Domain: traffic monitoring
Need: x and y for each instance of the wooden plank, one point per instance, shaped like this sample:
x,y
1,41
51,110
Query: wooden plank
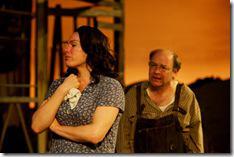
x,y
17,85
109,4
119,43
101,12
5,126
24,127
41,46
103,3
6,38
17,99
116,27
67,11
85,12
16,12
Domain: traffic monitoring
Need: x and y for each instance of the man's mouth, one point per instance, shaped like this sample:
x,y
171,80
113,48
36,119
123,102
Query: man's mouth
x,y
156,78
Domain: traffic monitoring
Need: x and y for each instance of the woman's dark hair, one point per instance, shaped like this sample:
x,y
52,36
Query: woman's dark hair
x,y
95,44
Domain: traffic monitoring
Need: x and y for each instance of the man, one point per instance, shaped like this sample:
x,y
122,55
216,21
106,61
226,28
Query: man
x,y
161,115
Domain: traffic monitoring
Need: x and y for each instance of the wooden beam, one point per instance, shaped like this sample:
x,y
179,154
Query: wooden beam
x,y
85,12
6,38
116,27
16,12
103,3
101,12
17,99
17,85
41,45
67,11
119,43
109,4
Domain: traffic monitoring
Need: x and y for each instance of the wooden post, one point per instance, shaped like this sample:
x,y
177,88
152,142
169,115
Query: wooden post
x,y
56,47
41,63
119,42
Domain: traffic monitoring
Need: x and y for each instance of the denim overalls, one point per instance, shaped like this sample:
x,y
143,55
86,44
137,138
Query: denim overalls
x,y
163,135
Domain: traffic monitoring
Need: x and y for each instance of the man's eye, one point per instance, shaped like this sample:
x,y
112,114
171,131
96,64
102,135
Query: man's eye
x,y
73,45
152,64
163,67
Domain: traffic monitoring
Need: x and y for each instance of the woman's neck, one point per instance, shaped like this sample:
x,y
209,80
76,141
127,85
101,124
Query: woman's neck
x,y
84,77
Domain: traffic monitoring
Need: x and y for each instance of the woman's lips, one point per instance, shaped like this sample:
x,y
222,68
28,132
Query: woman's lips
x,y
67,57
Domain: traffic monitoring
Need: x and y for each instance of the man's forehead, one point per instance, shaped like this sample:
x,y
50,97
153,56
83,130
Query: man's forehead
x,y
165,54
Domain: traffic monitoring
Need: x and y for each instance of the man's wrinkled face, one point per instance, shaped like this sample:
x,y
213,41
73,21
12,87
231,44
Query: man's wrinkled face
x,y
161,69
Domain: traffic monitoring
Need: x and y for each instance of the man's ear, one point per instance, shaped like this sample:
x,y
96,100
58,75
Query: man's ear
x,y
175,71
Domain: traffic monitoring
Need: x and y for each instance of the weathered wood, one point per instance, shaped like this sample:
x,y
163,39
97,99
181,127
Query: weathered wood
x,y
41,46
17,85
22,120
101,12
25,131
5,38
103,3
16,12
85,12
56,47
109,4
66,11
116,27
119,43
5,125
17,99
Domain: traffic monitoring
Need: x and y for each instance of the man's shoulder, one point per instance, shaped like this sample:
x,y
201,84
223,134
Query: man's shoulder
x,y
186,97
186,90
132,87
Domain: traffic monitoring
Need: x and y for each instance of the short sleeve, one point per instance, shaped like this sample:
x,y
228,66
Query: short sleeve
x,y
54,85
112,94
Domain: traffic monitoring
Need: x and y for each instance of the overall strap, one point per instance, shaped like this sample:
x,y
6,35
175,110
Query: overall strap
x,y
177,99
140,106
138,99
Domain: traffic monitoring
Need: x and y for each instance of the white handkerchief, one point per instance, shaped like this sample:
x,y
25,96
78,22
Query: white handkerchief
x,y
73,97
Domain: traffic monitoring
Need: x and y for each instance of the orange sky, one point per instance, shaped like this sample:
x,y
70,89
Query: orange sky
x,y
198,30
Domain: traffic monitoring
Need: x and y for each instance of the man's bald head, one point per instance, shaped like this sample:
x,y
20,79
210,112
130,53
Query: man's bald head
x,y
174,56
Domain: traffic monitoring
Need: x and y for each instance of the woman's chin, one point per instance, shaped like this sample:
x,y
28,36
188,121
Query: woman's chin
x,y
69,64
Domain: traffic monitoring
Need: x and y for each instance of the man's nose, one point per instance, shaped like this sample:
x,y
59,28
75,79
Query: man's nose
x,y
157,69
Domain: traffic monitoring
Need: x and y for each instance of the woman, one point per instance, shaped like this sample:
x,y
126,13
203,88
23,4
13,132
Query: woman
x,y
90,124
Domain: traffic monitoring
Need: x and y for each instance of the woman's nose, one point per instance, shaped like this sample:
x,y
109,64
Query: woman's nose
x,y
67,49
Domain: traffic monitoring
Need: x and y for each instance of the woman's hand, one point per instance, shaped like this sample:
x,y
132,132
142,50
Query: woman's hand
x,y
42,121
70,82
95,132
